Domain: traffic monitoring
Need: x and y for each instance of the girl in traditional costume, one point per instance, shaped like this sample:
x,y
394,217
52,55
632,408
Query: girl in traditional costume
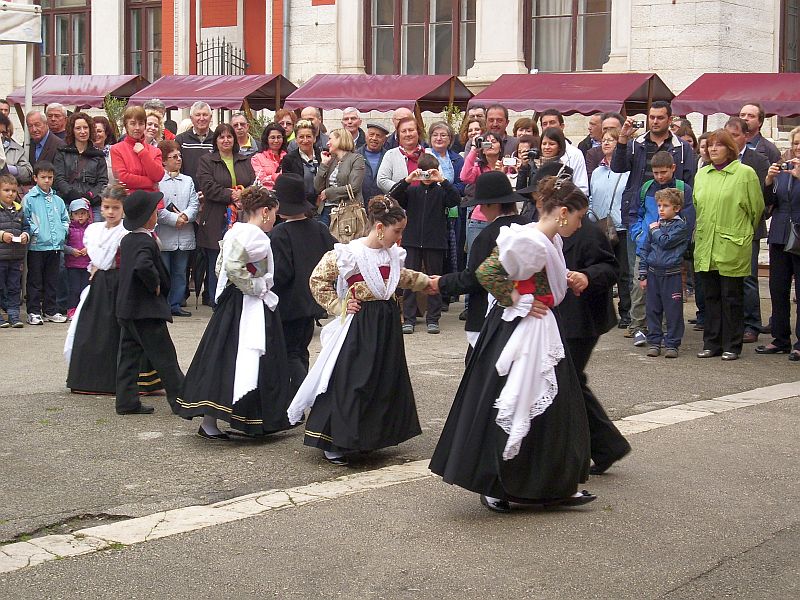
x,y
239,371
517,430
359,390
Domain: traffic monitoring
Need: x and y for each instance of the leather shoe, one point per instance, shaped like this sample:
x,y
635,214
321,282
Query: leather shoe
x,y
770,349
181,313
750,336
698,327
598,468
584,498
212,436
794,356
707,354
623,323
339,461
142,409
501,506
730,356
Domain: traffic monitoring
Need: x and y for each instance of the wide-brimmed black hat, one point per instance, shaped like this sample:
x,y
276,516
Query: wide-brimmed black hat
x,y
551,169
493,187
291,192
138,208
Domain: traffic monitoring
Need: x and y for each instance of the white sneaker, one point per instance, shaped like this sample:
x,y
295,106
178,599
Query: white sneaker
x,y
56,318
34,319
639,339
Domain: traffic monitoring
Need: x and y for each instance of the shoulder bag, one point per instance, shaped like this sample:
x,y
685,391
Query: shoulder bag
x,y
349,219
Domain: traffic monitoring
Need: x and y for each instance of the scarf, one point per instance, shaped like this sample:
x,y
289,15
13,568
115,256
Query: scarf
x,y
412,159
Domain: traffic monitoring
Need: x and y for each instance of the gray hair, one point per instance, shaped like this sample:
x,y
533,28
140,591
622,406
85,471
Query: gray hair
x,y
33,113
351,109
441,125
155,104
56,106
199,105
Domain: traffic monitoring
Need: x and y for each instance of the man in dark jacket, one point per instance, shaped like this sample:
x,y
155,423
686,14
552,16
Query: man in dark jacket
x,y
753,113
595,134
197,141
373,152
43,144
142,307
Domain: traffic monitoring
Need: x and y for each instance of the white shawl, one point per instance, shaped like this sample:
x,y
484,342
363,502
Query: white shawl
x,y
351,258
252,334
535,348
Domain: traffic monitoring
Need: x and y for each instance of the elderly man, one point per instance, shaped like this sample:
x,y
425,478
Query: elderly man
x,y
57,120
754,114
196,141
373,152
43,144
158,106
351,120
595,127
248,145
313,114
16,162
574,157
740,131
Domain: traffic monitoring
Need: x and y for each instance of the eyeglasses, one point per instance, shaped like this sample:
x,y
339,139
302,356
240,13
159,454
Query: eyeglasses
x,y
284,123
175,156
441,134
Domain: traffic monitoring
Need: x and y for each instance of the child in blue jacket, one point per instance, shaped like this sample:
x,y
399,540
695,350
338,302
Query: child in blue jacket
x,y
661,257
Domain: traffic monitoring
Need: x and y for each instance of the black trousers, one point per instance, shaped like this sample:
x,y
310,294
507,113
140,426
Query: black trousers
x,y
43,273
432,263
782,267
624,283
297,335
608,444
724,326
147,338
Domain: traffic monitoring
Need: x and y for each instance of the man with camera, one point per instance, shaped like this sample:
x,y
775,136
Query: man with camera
x,y
497,120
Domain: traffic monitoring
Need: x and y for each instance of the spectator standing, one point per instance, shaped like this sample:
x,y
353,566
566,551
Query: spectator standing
x,y
153,128
14,238
393,141
81,170
305,159
43,145
176,224
222,175
754,114
197,141
5,107
373,152
595,137
157,106
105,136
267,163
609,120
313,114
401,160
286,119
76,256
729,207
57,120
136,164
248,145
351,120
573,157
16,160
341,174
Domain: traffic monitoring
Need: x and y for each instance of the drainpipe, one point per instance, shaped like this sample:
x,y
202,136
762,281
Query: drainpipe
x,y
285,62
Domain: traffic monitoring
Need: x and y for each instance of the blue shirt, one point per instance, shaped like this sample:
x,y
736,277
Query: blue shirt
x,y
40,145
445,164
374,159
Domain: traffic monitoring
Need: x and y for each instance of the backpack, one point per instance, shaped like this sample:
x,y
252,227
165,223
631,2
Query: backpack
x,y
679,184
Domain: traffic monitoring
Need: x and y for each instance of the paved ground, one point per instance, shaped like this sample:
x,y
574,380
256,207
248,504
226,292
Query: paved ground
x,y
701,509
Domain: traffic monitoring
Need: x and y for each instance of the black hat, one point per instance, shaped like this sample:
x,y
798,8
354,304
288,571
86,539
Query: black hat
x,y
493,187
291,192
550,169
138,207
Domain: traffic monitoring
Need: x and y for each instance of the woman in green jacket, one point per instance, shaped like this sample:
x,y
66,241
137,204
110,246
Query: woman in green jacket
x,y
729,204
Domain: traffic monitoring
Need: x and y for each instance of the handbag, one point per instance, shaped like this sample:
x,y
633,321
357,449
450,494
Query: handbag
x,y
793,240
348,219
606,224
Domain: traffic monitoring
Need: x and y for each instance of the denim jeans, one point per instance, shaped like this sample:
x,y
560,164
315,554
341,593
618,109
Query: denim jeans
x,y
176,261
325,216
637,294
473,229
11,287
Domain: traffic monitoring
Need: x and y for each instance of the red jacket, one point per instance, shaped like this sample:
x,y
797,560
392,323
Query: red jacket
x,y
141,171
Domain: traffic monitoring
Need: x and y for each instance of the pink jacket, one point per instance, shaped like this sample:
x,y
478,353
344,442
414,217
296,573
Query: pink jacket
x,y
75,241
267,166
469,173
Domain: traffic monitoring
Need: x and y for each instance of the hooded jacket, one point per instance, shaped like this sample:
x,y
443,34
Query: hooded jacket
x,y
48,219
633,157
13,221
75,241
80,175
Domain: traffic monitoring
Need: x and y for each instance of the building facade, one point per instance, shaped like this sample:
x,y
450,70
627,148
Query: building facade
x,y
476,39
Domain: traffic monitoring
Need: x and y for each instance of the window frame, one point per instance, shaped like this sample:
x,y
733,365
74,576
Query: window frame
x,y
142,7
456,25
49,16
575,16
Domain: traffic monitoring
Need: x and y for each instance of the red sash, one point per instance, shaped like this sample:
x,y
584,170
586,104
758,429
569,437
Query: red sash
x,y
353,279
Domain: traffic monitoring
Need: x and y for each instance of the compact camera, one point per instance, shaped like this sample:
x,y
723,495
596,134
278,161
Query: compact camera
x,y
480,142
509,161
639,124
787,166
426,175
533,154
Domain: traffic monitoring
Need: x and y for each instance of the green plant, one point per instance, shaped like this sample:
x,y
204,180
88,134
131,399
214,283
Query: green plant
x,y
115,107
257,124
452,115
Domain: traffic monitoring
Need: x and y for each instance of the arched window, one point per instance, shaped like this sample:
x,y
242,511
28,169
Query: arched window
x,y
66,43
567,35
426,37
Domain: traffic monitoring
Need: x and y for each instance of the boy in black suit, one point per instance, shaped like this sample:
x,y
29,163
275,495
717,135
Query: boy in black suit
x,y
142,307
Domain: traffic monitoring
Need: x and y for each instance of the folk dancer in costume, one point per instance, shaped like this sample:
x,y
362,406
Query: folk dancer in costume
x,y
239,372
359,390
517,431
93,336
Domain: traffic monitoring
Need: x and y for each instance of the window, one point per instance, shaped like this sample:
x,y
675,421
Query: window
x,y
419,36
567,35
65,48
143,38
790,51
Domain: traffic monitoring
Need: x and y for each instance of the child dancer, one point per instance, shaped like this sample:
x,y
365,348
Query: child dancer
x,y
239,371
76,257
142,307
359,390
518,429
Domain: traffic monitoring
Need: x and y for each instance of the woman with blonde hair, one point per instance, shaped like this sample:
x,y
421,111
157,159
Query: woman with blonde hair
x,y
341,174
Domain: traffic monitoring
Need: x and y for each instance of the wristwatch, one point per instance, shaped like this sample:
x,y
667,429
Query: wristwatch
x,y
642,277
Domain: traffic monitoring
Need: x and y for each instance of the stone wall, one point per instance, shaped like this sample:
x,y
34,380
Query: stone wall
x,y
312,40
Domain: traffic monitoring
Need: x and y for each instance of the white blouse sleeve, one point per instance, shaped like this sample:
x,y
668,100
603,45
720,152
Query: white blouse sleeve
x,y
522,251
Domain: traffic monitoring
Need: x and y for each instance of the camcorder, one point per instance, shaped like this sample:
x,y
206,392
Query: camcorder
x,y
480,142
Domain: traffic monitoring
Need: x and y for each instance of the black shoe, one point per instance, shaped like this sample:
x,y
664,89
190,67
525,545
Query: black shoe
x,y
142,409
770,349
339,461
599,468
794,356
692,321
462,316
707,354
501,506
698,327
584,498
181,313
623,323
212,436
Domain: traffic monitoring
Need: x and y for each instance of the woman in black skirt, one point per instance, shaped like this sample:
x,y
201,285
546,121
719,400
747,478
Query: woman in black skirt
x,y
517,431
239,372
359,390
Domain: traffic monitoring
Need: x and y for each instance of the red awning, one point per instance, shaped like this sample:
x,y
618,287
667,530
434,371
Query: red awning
x,y
220,91
380,92
711,93
584,93
80,90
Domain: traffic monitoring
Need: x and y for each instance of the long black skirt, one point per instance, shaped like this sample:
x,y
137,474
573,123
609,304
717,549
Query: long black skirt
x,y
208,388
369,403
93,366
554,456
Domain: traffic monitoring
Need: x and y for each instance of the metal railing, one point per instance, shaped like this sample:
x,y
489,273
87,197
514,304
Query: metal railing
x,y
217,56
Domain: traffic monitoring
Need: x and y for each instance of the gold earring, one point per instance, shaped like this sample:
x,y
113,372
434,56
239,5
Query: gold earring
x,y
380,235
563,222
265,219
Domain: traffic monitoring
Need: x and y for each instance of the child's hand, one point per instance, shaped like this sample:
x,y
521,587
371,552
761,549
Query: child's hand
x,y
353,306
76,252
25,238
7,237
653,225
83,252
643,284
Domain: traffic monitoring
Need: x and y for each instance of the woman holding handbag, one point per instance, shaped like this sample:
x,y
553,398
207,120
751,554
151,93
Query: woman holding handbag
x,y
340,176
605,201
783,196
